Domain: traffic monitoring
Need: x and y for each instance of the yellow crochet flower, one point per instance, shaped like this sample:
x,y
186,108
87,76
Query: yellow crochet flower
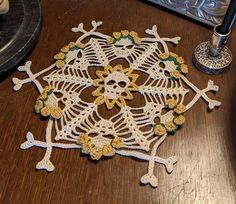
x,y
137,40
43,96
180,60
86,147
59,56
180,109
171,103
65,49
170,126
179,120
56,112
108,151
175,74
173,55
125,33
38,106
117,142
60,64
164,55
133,34
71,45
116,35
110,40
45,111
83,138
184,68
47,89
159,130
95,153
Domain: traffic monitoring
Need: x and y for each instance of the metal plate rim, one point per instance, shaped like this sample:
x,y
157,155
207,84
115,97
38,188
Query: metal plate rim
x,y
28,38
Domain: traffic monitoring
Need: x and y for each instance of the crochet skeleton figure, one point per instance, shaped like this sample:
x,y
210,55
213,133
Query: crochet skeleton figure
x,y
133,131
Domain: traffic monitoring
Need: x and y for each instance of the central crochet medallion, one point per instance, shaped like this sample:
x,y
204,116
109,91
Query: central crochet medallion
x,y
114,86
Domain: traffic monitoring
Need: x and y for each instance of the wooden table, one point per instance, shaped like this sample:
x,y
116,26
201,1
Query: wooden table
x,y
206,146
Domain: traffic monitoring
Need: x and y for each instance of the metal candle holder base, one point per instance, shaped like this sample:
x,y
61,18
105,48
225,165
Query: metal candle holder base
x,y
213,57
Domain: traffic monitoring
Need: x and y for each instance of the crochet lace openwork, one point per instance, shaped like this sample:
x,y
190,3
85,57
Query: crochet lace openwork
x,y
132,131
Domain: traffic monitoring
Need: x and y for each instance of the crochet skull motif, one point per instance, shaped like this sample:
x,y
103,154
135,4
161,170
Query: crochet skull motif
x,y
132,131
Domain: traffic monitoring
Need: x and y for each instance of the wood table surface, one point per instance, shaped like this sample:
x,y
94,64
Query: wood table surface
x,y
205,146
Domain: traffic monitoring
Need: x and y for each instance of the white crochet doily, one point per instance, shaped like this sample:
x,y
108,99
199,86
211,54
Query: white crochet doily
x,y
133,131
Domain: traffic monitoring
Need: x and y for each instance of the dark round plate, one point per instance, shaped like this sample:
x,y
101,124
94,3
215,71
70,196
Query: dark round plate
x,y
19,29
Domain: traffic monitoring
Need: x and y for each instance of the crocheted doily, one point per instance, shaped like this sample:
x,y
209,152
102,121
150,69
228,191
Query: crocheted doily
x,y
133,131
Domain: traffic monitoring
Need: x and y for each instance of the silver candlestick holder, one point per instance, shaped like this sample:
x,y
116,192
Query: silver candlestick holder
x,y
213,57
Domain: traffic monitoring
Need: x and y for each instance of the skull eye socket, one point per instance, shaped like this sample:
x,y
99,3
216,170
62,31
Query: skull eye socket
x,y
120,46
122,84
111,82
162,65
129,46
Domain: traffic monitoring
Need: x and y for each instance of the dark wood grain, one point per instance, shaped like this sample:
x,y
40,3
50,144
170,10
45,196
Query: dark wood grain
x,y
206,146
